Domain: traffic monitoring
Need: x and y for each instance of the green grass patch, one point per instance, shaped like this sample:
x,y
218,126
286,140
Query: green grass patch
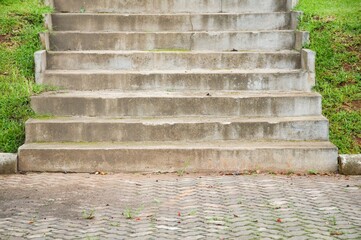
x,y
20,23
335,28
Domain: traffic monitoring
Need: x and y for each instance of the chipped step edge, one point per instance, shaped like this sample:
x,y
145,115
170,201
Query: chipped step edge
x,y
350,164
8,163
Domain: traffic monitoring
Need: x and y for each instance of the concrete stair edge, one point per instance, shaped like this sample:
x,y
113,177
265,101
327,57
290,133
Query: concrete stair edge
x,y
197,128
158,157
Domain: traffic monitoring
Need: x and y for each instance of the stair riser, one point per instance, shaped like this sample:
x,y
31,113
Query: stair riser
x,y
189,41
174,106
143,61
175,23
153,131
171,160
188,82
171,6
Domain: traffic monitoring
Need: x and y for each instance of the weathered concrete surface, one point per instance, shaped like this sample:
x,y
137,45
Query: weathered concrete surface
x,y
45,41
171,22
192,80
302,38
171,6
198,41
210,156
8,163
189,207
48,22
198,128
235,94
211,103
350,164
308,63
171,60
40,65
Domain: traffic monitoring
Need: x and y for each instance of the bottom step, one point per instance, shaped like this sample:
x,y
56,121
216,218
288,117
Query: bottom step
x,y
223,156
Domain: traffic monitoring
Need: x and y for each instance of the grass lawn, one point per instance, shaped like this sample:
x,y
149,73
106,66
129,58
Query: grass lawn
x,y
335,27
20,23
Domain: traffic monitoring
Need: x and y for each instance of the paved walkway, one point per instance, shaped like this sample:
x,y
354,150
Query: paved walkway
x,y
84,206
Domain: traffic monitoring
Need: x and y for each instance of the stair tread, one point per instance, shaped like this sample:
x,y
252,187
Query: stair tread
x,y
278,128
163,14
165,51
192,71
183,94
174,120
170,32
229,144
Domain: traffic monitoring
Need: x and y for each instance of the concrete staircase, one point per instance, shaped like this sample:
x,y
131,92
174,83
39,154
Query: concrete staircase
x,y
167,85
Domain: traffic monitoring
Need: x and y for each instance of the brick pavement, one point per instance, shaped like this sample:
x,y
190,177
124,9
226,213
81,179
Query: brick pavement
x,y
84,206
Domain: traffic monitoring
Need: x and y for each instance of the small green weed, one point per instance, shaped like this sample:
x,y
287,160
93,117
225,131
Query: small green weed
x,y
182,171
312,172
192,213
91,238
43,116
114,224
336,233
88,214
130,213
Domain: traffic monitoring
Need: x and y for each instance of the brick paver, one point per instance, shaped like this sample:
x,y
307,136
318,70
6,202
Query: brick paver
x,y
56,206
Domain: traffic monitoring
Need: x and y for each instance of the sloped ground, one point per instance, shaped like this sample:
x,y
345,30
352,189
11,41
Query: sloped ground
x,y
335,28
20,23
88,206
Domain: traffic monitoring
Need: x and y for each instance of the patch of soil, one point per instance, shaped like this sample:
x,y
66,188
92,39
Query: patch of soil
x,y
352,106
358,141
356,104
4,38
348,67
346,83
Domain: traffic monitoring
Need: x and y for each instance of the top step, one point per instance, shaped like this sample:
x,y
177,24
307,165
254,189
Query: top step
x,y
171,6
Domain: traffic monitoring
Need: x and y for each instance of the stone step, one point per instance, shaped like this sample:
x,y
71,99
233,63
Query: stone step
x,y
197,128
198,41
171,60
221,156
272,79
171,6
170,22
152,103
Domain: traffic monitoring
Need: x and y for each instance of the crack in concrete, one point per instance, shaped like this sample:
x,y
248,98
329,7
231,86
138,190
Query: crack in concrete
x,y
191,21
191,41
